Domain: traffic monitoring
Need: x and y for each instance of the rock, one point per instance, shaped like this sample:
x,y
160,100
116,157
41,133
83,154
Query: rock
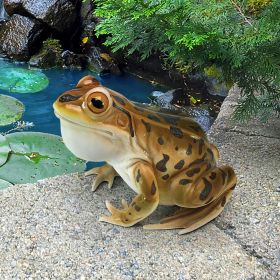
x,y
215,87
100,62
19,37
164,99
213,78
86,13
47,59
167,102
3,14
73,60
49,55
59,15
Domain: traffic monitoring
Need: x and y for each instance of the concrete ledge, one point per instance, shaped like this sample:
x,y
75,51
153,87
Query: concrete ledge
x,y
50,230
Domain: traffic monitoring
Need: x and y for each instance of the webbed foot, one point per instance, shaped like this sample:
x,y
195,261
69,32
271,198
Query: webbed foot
x,y
105,173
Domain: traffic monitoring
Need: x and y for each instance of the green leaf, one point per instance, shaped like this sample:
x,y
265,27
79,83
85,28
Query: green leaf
x,y
4,149
11,109
36,156
22,80
4,184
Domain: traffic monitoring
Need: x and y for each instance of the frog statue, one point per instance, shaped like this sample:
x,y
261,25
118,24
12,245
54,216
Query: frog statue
x,y
165,158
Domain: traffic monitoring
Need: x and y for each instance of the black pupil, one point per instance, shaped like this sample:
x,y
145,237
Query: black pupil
x,y
97,103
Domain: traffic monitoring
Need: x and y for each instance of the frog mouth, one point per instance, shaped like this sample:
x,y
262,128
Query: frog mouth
x,y
82,125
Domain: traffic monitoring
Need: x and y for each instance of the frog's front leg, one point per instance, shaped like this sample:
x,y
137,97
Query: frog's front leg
x,y
105,173
142,205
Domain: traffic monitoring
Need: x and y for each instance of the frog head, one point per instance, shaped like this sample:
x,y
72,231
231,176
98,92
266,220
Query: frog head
x,y
94,120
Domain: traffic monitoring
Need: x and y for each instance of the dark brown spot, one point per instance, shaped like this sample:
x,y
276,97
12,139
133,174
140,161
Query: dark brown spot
x,y
170,119
126,220
224,200
213,176
138,176
233,187
176,148
208,167
207,189
153,188
189,149
137,208
153,118
194,141
165,177
179,165
184,181
200,146
161,165
196,162
119,99
147,125
68,98
191,172
195,128
177,132
129,213
160,140
224,175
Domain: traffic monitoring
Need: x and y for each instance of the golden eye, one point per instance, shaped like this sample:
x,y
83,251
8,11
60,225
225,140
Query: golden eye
x,y
97,102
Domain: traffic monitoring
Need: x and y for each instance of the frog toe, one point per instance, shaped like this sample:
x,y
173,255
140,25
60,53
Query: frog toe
x,y
124,203
118,216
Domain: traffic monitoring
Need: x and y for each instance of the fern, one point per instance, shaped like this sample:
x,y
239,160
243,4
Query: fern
x,y
240,37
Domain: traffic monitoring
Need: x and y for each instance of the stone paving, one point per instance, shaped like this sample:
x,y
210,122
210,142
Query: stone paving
x,y
50,230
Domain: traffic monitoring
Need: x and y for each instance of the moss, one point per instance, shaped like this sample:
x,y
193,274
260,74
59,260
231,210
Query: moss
x,y
256,6
52,45
213,71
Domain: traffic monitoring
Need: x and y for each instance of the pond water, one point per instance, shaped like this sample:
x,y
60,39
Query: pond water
x,y
38,106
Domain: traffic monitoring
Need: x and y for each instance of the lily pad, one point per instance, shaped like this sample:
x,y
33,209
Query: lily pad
x,y
4,184
11,109
4,149
22,80
35,156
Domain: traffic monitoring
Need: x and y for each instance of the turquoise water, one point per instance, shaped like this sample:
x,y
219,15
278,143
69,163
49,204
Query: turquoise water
x,y
38,106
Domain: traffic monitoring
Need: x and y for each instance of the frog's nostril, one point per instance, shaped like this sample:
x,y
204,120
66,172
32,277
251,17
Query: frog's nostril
x,y
68,98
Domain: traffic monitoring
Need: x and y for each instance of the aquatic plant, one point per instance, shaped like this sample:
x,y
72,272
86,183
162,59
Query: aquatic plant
x,y
4,150
26,157
11,109
22,80
20,126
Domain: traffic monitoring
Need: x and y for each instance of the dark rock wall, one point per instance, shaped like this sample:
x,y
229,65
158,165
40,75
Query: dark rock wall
x,y
19,35
32,21
59,15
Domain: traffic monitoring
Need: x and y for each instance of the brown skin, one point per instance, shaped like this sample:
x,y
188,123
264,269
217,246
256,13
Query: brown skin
x,y
166,159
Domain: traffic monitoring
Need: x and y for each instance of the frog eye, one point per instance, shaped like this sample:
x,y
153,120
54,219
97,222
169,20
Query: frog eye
x,y
97,102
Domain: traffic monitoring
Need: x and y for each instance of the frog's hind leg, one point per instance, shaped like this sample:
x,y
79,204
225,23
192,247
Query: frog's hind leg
x,y
195,215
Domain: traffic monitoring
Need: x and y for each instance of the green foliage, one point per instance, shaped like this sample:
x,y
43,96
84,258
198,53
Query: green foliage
x,y
239,37
52,44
